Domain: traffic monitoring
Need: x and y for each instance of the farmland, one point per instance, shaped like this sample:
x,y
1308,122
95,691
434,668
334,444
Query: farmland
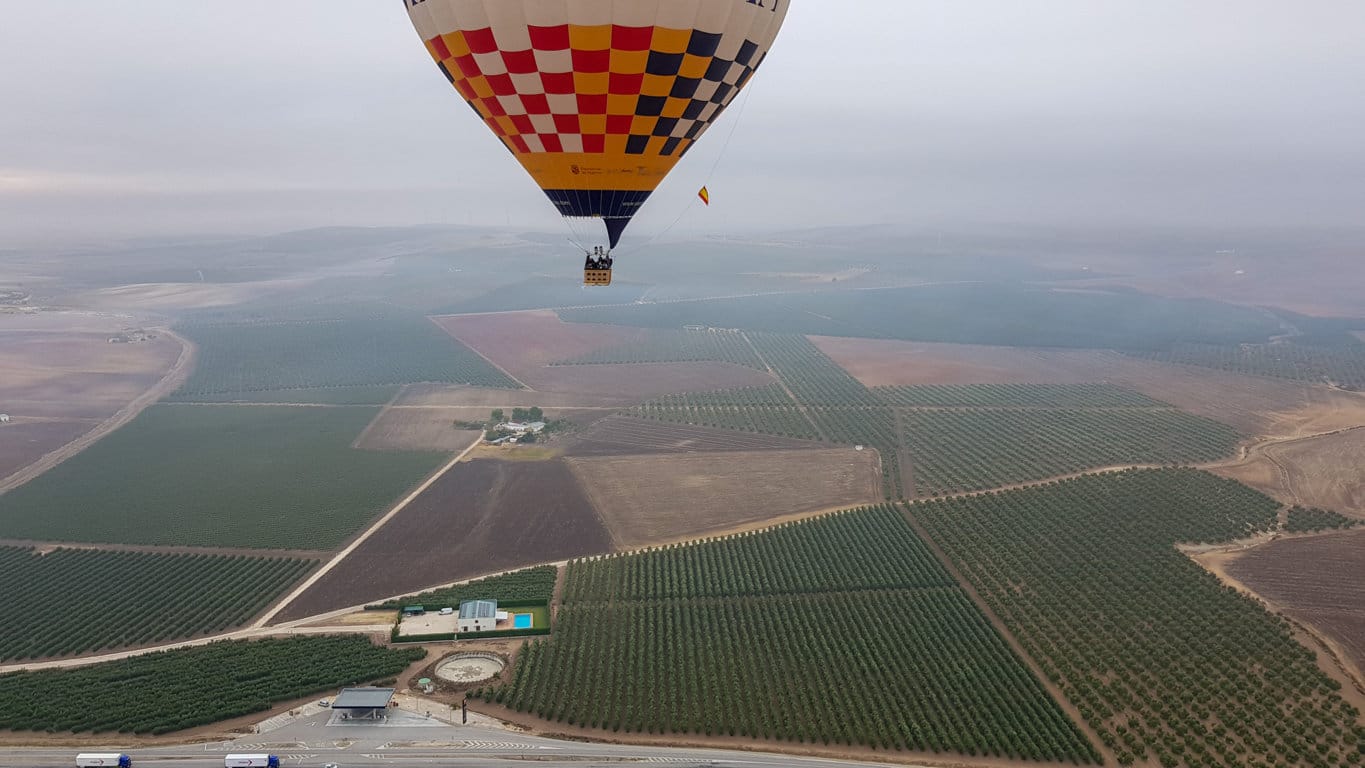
x,y
530,584
970,450
1311,519
70,601
624,435
785,635
415,429
1015,396
528,344
1341,364
680,346
1324,472
226,476
482,516
61,378
181,689
1319,580
975,313
758,409
652,499
1253,405
1161,660
252,359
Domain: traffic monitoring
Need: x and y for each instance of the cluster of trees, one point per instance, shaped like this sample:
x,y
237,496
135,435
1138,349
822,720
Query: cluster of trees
x,y
348,350
1341,364
866,549
1015,396
531,584
843,630
812,377
676,346
73,601
1304,519
967,450
765,410
1164,662
190,687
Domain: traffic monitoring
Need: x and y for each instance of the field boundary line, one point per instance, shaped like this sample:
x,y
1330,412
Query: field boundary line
x,y
1068,707
168,383
471,348
355,544
800,406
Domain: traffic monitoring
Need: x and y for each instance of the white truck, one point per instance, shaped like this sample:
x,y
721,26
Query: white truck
x,y
251,761
103,760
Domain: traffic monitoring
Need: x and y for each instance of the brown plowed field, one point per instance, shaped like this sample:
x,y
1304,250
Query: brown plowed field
x,y
1254,405
1319,580
414,429
58,384
624,435
1325,472
480,517
21,442
525,343
647,500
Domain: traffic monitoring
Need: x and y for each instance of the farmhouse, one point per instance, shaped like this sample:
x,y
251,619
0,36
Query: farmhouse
x,y
478,616
521,428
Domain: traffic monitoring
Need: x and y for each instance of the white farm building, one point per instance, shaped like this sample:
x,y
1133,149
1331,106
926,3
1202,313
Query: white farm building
x,y
478,616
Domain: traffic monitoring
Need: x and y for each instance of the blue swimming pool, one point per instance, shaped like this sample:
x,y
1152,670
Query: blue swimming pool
x,y
521,621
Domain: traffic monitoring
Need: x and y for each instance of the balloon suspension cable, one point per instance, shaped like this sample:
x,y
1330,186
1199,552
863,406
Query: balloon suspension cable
x,y
734,127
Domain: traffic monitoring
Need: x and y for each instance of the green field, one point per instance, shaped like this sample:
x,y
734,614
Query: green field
x,y
1003,314
767,410
73,601
530,584
316,356
1163,661
682,346
844,630
175,690
968,450
228,476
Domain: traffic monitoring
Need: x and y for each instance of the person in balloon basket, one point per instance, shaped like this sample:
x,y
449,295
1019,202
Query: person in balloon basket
x,y
598,258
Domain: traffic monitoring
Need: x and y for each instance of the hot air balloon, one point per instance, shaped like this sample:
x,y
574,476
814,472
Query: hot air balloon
x,y
598,99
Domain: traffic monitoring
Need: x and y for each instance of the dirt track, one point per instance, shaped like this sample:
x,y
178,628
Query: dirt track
x,y
168,383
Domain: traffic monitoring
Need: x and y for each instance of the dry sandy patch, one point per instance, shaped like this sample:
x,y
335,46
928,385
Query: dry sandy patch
x,y
1325,472
647,500
415,429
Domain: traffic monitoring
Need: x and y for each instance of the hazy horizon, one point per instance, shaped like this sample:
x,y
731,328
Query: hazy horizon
x,y
253,118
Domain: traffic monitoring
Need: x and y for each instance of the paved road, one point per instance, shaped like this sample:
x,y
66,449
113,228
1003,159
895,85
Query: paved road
x,y
411,741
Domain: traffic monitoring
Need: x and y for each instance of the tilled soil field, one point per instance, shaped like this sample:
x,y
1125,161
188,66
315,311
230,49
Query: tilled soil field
x,y
21,443
1319,580
481,517
526,343
58,384
623,436
660,498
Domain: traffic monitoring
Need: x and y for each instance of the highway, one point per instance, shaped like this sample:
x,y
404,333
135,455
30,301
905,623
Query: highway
x,y
410,740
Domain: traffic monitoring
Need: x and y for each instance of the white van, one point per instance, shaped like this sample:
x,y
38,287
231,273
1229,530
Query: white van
x,y
447,611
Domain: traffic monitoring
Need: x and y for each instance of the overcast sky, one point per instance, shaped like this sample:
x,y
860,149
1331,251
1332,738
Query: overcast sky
x,y
168,117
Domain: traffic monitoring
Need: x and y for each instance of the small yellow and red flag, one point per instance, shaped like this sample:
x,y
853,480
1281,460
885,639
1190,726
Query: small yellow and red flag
x,y
705,195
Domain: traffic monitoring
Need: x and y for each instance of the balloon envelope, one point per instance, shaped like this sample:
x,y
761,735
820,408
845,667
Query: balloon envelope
x,y
598,99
